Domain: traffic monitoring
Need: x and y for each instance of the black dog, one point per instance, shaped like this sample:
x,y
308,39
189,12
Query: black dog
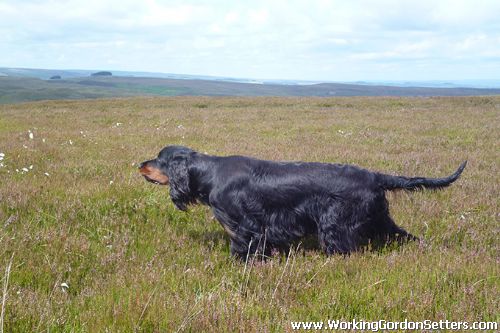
x,y
265,205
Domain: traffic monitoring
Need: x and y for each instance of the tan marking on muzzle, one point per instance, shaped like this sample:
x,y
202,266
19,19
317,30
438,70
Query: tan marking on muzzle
x,y
154,174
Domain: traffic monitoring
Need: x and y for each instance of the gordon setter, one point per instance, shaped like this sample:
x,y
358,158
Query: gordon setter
x,y
266,205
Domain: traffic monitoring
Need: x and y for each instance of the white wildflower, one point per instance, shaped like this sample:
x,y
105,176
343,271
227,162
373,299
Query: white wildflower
x,y
110,182
43,140
30,134
344,134
31,167
180,127
46,174
70,142
17,170
25,147
64,286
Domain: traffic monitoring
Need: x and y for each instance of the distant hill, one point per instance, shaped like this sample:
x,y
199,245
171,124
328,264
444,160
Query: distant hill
x,y
42,73
102,73
75,73
72,73
20,89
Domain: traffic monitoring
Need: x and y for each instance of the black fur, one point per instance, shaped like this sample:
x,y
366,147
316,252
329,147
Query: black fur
x,y
266,205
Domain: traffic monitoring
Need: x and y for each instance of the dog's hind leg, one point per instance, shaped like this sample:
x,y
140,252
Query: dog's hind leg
x,y
382,227
400,235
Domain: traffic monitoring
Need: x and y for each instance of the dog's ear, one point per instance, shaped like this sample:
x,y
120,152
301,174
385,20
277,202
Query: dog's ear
x,y
178,174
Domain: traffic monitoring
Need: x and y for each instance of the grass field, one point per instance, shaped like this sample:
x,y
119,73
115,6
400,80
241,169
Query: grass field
x,y
93,247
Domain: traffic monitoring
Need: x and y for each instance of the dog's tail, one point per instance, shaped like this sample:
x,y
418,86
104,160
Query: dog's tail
x,y
388,182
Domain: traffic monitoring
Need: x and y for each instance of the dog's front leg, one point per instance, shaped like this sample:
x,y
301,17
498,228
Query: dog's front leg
x,y
247,238
246,245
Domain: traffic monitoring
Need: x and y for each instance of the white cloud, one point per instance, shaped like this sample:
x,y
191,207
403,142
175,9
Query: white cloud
x,y
322,40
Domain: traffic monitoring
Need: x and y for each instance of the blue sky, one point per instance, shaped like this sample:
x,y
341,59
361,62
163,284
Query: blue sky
x,y
303,40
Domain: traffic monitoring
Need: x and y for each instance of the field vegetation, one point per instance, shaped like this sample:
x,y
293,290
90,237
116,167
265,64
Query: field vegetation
x,y
87,245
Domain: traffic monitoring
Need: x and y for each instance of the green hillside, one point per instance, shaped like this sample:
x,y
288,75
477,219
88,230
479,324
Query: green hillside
x,y
22,89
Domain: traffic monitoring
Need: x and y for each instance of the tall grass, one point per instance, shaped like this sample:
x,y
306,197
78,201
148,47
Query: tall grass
x,y
99,249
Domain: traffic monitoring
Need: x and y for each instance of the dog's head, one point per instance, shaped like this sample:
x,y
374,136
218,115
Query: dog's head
x,y
171,167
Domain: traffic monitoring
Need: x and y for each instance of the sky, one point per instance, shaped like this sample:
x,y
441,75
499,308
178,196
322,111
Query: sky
x,y
317,40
